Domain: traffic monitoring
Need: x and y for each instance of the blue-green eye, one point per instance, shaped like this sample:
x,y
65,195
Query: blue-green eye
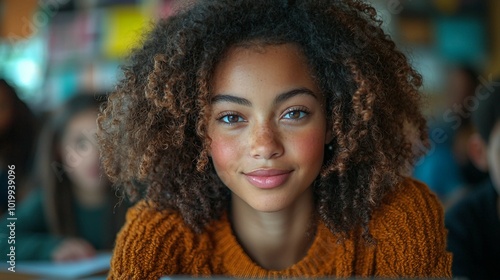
x,y
295,115
230,119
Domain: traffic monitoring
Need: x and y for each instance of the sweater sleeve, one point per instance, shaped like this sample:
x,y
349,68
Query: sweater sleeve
x,y
410,234
153,244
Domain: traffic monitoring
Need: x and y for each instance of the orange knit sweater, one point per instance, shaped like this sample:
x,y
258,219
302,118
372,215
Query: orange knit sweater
x,y
408,228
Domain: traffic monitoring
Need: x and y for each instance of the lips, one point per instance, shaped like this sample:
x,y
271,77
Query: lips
x,y
268,178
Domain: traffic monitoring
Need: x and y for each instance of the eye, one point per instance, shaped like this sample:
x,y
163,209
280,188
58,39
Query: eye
x,y
295,114
83,145
231,118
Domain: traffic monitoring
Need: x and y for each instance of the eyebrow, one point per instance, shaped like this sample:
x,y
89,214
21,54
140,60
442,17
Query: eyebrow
x,y
279,99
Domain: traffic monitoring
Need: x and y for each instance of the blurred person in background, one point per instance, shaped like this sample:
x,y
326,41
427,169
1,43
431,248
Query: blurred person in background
x,y
462,87
17,137
74,211
449,154
474,223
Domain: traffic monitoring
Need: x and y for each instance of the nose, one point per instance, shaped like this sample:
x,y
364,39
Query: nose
x,y
265,142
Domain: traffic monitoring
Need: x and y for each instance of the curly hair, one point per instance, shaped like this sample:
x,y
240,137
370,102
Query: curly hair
x,y
153,129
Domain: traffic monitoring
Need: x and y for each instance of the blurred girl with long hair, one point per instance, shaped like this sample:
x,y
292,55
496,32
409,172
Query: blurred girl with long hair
x,y
73,212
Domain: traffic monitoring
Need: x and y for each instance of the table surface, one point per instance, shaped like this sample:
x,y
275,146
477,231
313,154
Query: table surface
x,y
15,276
7,275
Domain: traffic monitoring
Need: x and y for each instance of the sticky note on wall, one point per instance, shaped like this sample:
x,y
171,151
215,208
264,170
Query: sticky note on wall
x,y
123,27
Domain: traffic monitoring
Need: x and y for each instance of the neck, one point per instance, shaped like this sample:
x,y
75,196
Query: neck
x,y
275,240
90,198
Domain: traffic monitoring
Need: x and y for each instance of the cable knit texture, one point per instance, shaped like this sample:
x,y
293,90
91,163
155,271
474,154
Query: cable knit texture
x,y
408,228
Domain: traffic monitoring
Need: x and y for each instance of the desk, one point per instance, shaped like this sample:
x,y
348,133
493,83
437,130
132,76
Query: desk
x,y
16,276
7,275
83,269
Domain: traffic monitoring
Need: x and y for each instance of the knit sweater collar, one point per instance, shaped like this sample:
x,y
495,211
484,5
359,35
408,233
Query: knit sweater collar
x,y
319,261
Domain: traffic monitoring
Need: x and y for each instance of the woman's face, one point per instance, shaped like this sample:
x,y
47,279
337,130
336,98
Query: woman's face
x,y
79,152
267,125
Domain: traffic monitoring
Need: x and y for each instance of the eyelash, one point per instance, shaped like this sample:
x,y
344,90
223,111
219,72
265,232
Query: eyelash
x,y
227,114
301,110
297,109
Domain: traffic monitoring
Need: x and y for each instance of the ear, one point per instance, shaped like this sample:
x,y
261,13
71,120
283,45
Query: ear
x,y
477,151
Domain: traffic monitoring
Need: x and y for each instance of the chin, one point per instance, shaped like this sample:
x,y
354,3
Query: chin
x,y
94,185
268,205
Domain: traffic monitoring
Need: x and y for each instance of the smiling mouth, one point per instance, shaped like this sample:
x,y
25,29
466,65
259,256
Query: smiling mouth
x,y
268,178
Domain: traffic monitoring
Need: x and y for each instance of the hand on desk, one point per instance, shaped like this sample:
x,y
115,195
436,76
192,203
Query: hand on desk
x,y
72,249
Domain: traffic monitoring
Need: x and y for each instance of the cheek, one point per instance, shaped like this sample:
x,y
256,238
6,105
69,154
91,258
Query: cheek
x,y
224,152
78,175
81,165
309,146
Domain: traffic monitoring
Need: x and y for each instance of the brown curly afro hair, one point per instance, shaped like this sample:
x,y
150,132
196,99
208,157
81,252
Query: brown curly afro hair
x,y
153,129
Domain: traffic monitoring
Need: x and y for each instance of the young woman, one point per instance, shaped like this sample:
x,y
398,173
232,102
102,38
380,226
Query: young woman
x,y
73,211
271,139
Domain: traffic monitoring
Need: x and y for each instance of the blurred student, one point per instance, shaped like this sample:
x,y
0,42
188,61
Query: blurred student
x,y
463,83
74,211
474,223
17,135
449,156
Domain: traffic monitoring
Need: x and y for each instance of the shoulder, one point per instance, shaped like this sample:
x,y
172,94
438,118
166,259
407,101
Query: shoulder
x,y
33,206
407,210
145,217
409,230
472,225
473,209
154,243
34,197
411,198
478,200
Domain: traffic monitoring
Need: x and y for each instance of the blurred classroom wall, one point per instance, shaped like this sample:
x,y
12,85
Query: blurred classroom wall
x,y
51,49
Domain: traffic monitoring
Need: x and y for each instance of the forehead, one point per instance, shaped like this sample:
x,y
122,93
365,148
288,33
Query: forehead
x,y
270,66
